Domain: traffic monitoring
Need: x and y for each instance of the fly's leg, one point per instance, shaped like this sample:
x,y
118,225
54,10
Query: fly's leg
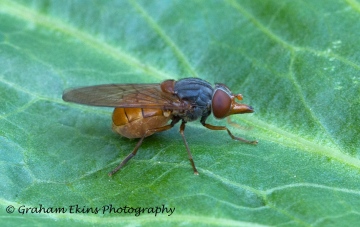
x,y
213,127
182,128
133,153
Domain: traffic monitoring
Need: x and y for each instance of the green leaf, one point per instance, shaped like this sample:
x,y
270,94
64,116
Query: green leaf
x,y
296,62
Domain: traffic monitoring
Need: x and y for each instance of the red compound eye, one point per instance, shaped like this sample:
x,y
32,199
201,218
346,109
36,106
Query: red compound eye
x,y
221,103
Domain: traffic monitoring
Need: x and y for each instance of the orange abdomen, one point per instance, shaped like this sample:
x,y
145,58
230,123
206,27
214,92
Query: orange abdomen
x,y
134,122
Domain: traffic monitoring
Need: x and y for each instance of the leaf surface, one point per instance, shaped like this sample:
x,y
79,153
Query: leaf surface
x,y
296,62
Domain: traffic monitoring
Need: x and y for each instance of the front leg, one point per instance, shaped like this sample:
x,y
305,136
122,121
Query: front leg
x,y
214,127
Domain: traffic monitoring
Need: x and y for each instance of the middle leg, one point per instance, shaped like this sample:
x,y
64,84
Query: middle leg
x,y
182,128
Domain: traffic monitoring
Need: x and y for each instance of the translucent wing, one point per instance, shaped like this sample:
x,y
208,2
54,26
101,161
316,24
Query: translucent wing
x,y
125,95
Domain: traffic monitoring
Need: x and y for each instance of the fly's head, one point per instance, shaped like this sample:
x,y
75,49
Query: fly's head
x,y
223,102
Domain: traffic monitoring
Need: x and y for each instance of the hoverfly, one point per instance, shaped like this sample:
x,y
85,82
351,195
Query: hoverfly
x,y
144,109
